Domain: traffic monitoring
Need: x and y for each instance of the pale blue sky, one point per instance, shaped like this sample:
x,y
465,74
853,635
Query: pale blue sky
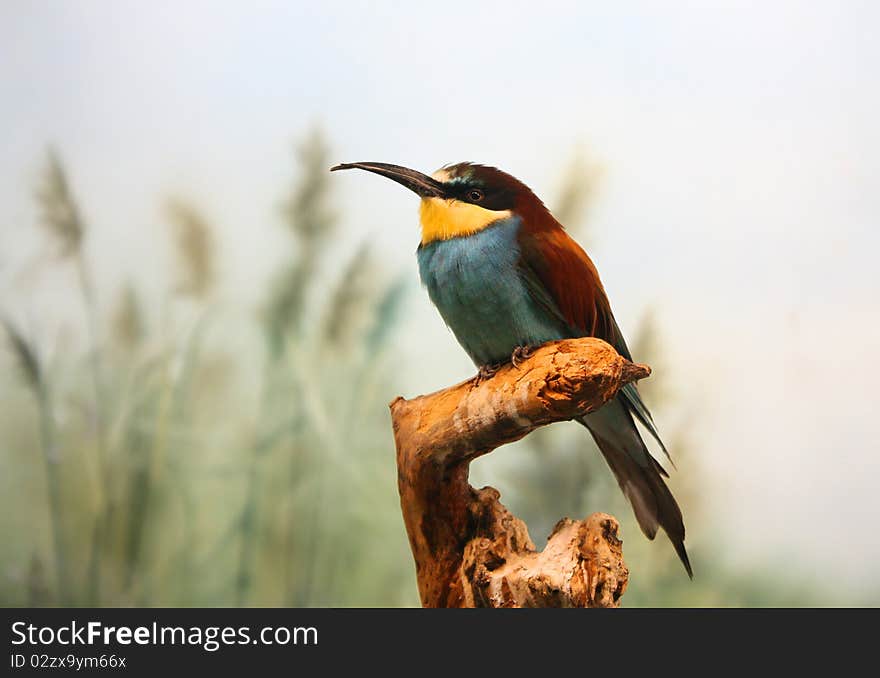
x,y
739,140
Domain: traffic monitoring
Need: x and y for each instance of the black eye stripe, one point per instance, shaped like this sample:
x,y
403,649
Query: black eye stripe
x,y
490,197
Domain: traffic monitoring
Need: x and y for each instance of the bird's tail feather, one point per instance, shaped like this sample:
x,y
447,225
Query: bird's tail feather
x,y
639,475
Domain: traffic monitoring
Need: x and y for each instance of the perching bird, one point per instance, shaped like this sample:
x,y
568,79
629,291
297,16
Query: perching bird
x,y
506,277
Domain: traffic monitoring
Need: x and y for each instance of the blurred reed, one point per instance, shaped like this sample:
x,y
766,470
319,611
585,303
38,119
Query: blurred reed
x,y
194,247
61,217
127,323
578,193
59,211
35,380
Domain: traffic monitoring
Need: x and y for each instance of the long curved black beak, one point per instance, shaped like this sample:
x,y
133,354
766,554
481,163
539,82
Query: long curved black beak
x,y
417,182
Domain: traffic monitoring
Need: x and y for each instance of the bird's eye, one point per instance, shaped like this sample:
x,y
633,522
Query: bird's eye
x,y
475,195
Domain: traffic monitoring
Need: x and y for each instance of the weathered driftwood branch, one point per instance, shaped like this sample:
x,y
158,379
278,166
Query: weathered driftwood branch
x,y
469,550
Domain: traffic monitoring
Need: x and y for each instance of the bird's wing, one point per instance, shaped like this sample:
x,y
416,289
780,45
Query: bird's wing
x,y
563,279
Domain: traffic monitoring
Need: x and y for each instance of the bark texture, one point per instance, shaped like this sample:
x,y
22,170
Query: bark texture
x,y
469,550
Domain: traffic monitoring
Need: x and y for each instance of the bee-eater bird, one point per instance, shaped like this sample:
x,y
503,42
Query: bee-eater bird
x,y
506,277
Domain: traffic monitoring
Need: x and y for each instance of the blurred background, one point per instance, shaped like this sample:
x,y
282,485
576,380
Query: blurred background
x,y
202,328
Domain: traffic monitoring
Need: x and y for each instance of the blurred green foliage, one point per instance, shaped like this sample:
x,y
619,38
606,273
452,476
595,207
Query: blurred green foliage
x,y
166,478
158,466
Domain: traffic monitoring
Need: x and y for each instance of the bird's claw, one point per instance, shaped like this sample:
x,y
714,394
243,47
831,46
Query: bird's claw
x,y
486,372
521,354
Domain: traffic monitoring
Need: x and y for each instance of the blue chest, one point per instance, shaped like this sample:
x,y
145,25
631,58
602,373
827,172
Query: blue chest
x,y
475,283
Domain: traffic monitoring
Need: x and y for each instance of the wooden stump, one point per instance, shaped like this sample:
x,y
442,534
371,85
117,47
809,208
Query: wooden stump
x,y
469,550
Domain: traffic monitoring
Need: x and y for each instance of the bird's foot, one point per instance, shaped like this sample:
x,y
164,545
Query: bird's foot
x,y
520,354
486,372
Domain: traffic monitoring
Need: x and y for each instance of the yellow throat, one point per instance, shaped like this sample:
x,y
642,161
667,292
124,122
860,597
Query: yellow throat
x,y
443,219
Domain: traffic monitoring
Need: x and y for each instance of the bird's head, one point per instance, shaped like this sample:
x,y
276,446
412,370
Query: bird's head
x,y
462,199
